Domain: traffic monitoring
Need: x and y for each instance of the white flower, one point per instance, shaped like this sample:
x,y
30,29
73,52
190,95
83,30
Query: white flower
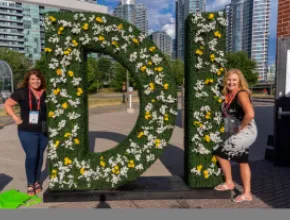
x,y
150,157
149,107
73,116
156,59
139,167
133,57
76,81
201,150
130,29
61,125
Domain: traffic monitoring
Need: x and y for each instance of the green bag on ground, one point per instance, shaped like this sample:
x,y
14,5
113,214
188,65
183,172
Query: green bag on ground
x,y
12,199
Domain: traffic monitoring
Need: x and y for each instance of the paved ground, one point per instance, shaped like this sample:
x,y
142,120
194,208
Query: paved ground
x,y
110,125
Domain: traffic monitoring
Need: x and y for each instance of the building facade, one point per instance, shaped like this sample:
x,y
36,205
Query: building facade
x,y
135,14
183,9
283,26
248,31
163,42
22,29
11,26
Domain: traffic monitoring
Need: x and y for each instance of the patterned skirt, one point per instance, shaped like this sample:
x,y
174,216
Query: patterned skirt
x,y
236,146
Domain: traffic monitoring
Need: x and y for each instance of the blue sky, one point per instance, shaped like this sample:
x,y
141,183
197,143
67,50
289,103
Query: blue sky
x,y
161,15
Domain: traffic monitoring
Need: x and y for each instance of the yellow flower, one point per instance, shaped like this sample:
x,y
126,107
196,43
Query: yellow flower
x,y
131,164
152,49
206,174
208,115
148,115
115,43
51,18
199,52
59,32
220,100
207,138
141,134
217,34
222,130
56,91
166,85
66,52
199,168
71,73
77,141
67,134
100,20
75,43
212,57
80,92
211,16
116,169
152,86
56,144
150,63
135,40
67,161
82,171
214,160
54,172
86,26
120,26
101,38
47,50
157,142
196,123
166,117
208,81
158,69
201,47
103,163
143,68
61,28
59,72
51,115
64,105
153,100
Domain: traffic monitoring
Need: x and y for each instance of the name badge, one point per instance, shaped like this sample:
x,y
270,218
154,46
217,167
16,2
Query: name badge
x,y
33,117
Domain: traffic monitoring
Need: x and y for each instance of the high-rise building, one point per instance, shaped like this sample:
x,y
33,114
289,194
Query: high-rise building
x,y
22,29
141,17
135,14
11,26
163,42
248,31
183,9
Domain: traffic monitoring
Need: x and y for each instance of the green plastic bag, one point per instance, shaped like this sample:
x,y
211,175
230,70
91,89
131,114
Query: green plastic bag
x,y
12,199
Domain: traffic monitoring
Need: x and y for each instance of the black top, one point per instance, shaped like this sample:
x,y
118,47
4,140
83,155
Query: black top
x,y
235,110
22,97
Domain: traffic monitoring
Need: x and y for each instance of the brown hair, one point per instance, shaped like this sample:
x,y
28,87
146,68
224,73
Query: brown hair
x,y
38,74
243,84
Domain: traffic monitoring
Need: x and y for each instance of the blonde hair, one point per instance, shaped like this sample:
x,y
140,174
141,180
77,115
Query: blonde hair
x,y
243,84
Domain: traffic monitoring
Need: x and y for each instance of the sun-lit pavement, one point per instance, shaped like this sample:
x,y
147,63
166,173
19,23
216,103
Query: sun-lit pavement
x,y
110,125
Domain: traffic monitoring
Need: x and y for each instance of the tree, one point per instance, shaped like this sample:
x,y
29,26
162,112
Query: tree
x,y
105,67
93,75
18,63
178,70
241,61
41,64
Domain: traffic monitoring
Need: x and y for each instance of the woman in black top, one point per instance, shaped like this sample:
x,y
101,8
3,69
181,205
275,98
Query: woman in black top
x,y
30,96
240,132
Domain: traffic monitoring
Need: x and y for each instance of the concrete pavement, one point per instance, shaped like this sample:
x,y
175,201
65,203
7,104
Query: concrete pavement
x,y
270,185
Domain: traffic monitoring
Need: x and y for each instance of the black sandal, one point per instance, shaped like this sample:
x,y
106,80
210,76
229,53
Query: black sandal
x,y
30,190
37,187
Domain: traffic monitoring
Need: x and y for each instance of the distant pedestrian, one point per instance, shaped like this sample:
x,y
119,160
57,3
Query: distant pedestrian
x,y
240,132
30,96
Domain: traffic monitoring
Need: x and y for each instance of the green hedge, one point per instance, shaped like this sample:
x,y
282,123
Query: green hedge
x,y
71,165
201,168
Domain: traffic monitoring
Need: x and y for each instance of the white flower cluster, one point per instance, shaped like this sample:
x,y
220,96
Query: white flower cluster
x,y
65,134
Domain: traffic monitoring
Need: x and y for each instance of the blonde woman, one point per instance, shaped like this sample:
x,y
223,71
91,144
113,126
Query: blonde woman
x,y
240,132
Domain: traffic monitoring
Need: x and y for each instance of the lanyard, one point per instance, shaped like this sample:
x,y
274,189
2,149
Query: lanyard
x,y
30,101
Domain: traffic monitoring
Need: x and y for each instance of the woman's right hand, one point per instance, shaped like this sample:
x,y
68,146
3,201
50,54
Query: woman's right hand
x,y
17,120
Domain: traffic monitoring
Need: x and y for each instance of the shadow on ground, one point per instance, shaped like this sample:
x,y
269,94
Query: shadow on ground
x,y
269,183
4,180
172,158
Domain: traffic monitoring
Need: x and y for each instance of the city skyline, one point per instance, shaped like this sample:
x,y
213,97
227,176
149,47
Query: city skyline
x,y
162,17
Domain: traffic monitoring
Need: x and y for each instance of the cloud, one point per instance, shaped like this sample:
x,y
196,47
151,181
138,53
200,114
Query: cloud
x,y
214,5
